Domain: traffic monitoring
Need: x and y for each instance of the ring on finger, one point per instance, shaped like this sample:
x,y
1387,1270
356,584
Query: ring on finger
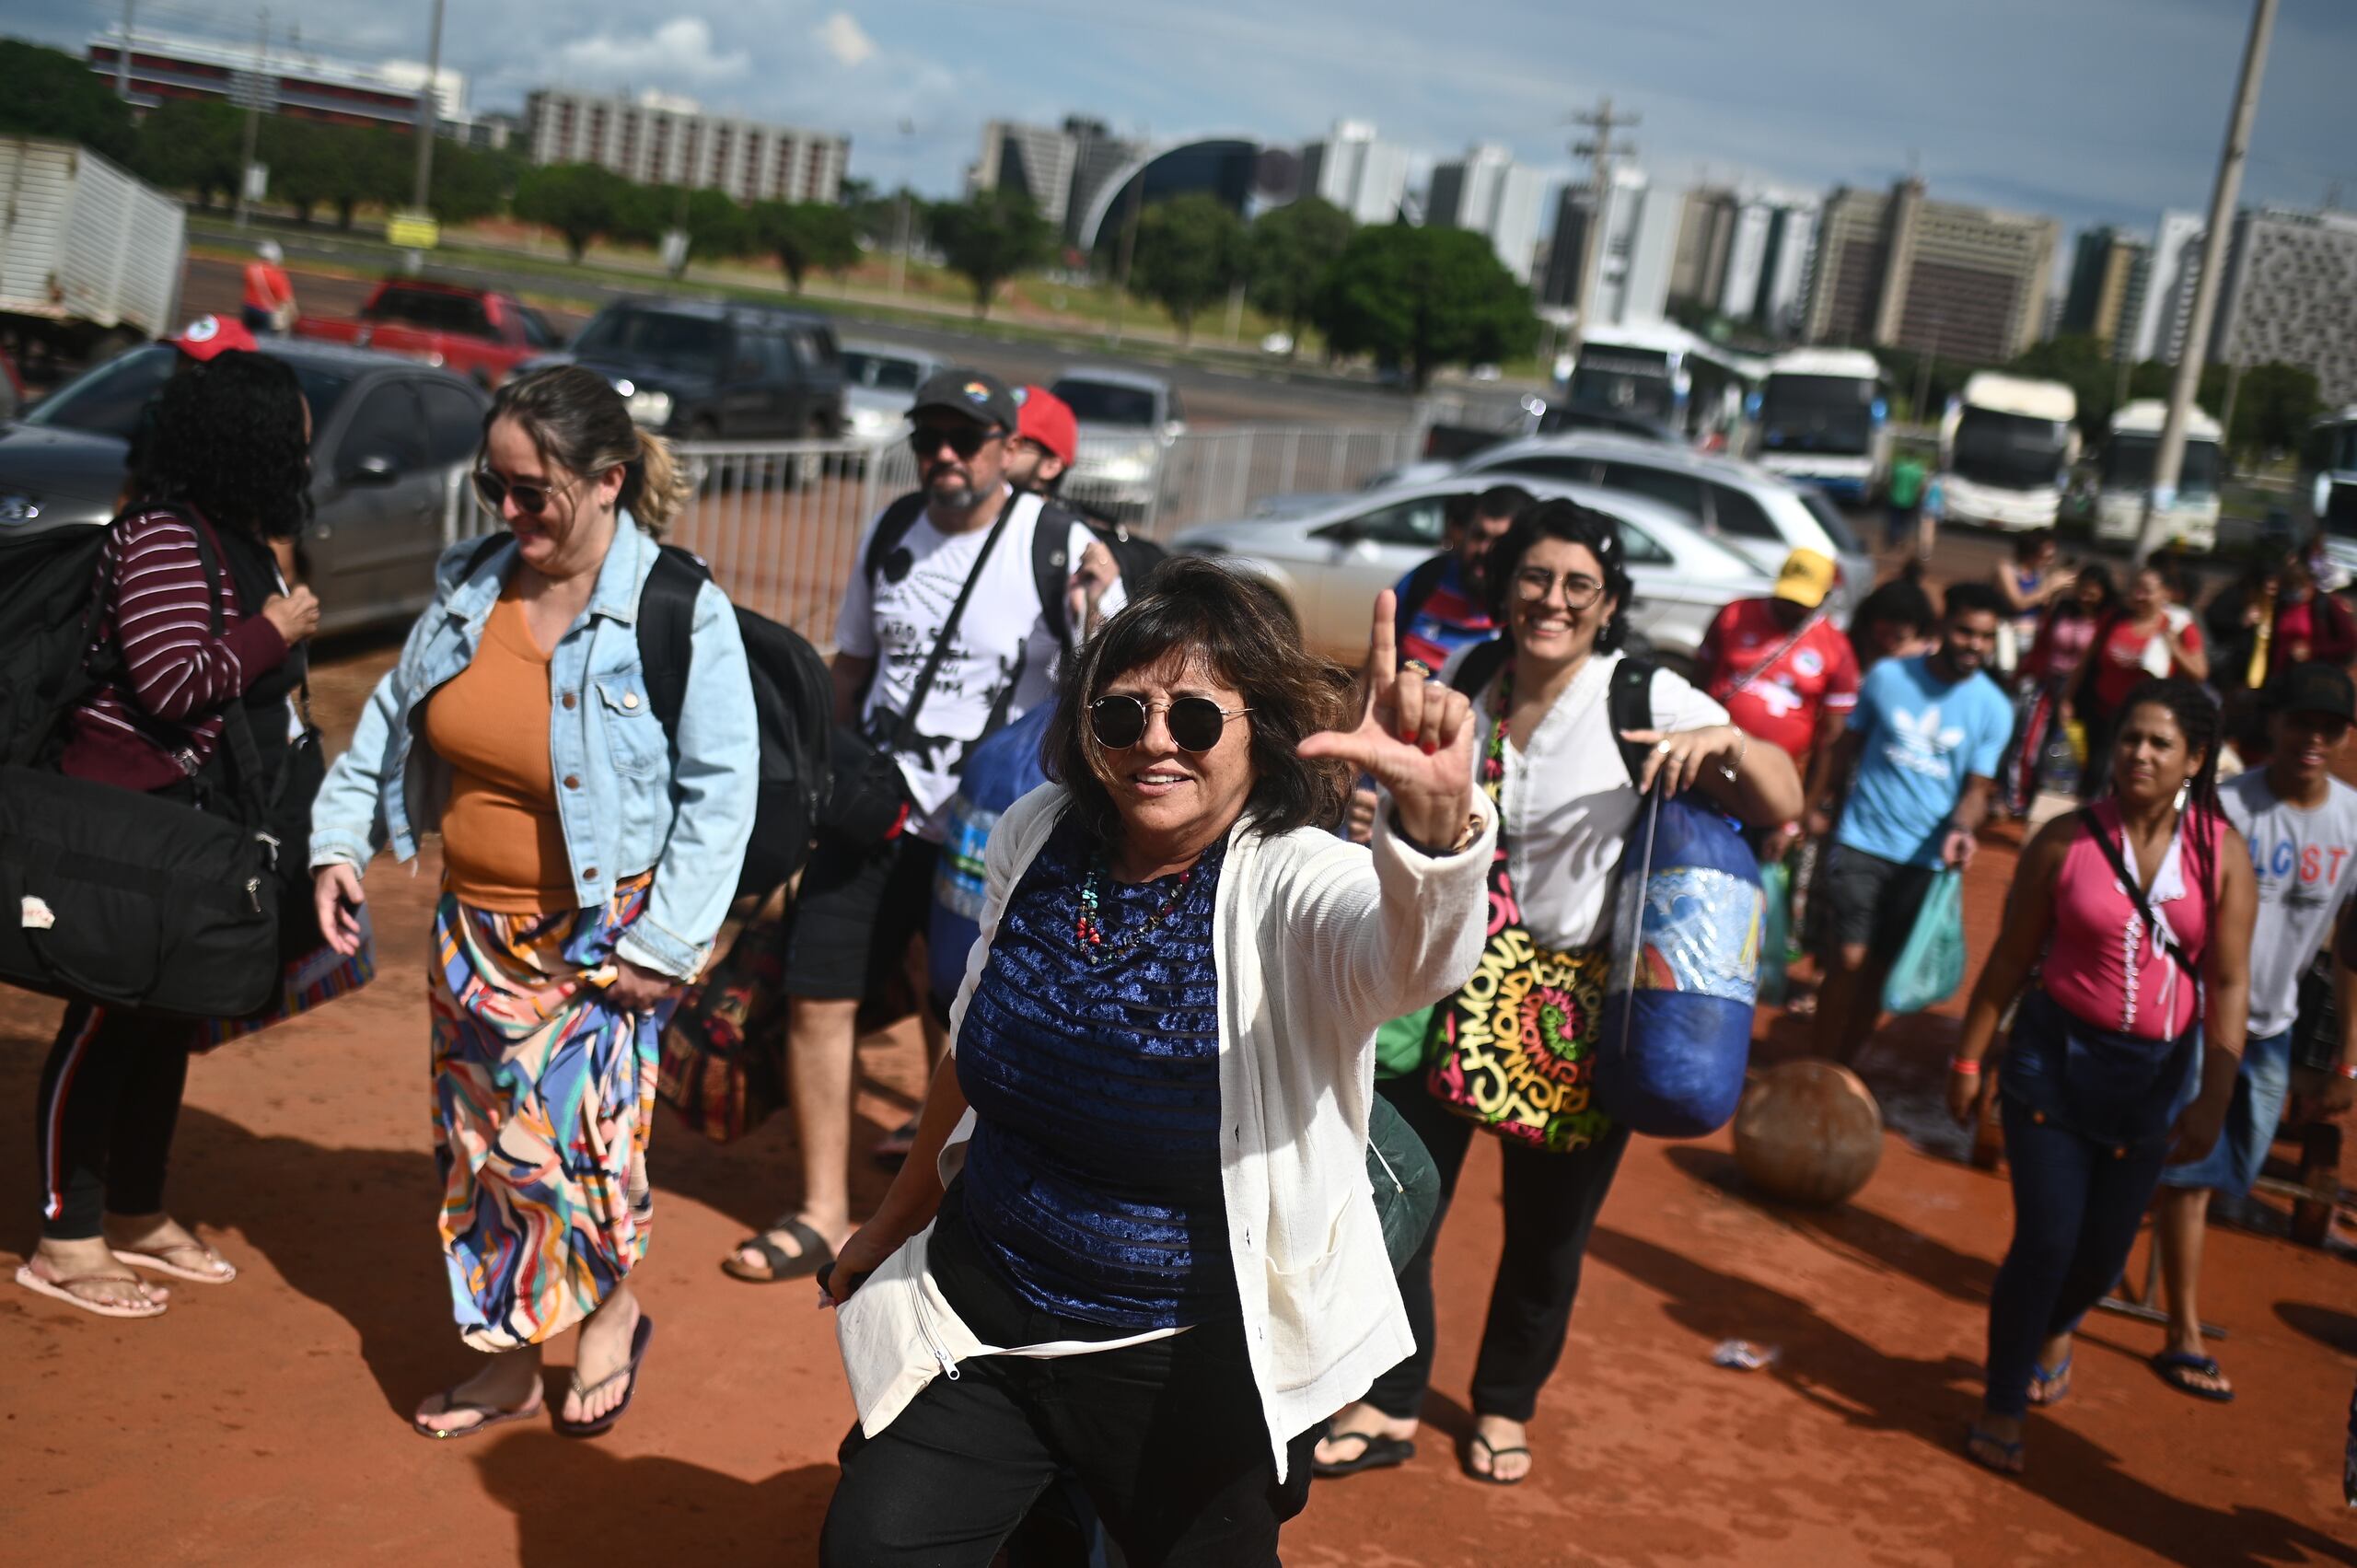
x,y
1417,667
1662,748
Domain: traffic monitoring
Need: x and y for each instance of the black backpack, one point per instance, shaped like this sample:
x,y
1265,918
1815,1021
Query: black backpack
x,y
1628,705
48,583
1050,551
794,705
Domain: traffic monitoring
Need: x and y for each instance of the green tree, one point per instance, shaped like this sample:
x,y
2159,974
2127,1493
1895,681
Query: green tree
x,y
715,226
2083,363
2274,405
990,238
52,94
310,165
803,235
470,182
191,144
1424,297
580,201
378,168
1290,250
1190,248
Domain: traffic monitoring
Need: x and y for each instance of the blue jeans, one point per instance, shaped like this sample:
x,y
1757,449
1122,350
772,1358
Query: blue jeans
x,y
2260,1088
2077,1205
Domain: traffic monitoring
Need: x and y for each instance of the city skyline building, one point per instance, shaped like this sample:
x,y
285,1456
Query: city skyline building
x,y
1897,270
1487,191
2170,278
659,139
2287,296
1356,171
2109,272
1639,254
1062,167
299,82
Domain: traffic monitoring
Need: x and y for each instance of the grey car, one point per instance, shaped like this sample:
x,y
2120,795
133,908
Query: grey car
x,y
1761,515
1129,421
880,381
392,442
1330,563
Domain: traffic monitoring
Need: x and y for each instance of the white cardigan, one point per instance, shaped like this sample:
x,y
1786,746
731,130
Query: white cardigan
x,y
1317,942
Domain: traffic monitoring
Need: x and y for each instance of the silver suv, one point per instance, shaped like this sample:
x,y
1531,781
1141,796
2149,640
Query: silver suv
x,y
1761,515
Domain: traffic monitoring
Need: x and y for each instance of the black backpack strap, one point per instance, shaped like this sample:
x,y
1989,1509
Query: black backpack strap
x,y
1629,704
2092,826
890,529
1418,590
666,617
1480,666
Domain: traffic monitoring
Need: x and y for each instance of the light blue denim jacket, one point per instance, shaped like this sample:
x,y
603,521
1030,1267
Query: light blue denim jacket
x,y
626,803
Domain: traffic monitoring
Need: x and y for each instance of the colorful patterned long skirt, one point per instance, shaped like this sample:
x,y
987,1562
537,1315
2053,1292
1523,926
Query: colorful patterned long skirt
x,y
544,1096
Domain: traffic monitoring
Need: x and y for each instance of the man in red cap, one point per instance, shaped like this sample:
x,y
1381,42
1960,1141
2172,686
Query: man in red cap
x,y
209,335
1045,444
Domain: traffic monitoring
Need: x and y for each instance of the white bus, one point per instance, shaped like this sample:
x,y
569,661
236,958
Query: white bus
x,y
1662,372
2192,515
2328,487
2007,447
1823,417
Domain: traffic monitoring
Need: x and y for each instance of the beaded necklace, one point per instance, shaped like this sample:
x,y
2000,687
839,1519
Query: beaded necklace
x,y
1088,929
1493,756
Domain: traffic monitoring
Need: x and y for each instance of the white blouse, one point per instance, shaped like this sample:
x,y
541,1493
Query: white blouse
x,y
1569,803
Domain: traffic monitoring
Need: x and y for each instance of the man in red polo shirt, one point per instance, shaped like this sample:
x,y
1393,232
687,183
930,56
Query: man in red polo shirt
x,y
1782,671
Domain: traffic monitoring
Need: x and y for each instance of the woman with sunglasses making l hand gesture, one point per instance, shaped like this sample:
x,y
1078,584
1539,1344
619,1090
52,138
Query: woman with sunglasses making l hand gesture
x,y
589,850
1155,1113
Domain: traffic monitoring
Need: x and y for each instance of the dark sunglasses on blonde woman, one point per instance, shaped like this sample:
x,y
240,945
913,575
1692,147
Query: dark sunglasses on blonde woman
x,y
1195,722
531,498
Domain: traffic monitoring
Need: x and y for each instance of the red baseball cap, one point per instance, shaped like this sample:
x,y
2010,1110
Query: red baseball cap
x,y
1046,418
209,335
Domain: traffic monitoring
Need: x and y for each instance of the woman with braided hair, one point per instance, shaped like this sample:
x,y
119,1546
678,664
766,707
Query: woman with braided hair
x,y
2122,1058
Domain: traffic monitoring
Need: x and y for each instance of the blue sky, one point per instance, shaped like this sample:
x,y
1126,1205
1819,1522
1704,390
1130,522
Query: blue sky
x,y
2093,110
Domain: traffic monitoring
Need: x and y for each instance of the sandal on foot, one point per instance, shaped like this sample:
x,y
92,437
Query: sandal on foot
x,y
2045,1395
62,1290
2011,1452
160,1258
491,1415
780,1264
2179,1368
1491,1476
1376,1452
591,1428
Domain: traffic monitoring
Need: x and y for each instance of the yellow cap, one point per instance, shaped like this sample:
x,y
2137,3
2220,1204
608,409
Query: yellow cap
x,y
1807,578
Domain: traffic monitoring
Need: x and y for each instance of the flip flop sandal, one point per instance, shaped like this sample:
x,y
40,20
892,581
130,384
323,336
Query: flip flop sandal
x,y
62,1290
2171,1368
2044,1381
493,1415
783,1265
1376,1453
638,1341
2012,1451
1490,1476
158,1259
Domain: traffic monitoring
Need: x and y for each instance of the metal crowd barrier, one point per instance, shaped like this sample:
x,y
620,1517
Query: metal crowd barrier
x,y
780,521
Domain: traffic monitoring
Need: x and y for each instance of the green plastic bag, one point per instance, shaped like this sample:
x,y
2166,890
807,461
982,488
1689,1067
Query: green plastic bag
x,y
1776,885
1404,1045
1931,967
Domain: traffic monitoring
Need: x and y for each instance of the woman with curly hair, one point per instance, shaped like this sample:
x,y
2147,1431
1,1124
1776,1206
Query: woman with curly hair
x,y
590,848
221,473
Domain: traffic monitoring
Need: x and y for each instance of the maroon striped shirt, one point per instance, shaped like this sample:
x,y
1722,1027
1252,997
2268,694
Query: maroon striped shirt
x,y
155,603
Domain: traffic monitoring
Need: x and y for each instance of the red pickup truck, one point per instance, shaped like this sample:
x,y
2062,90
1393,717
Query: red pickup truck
x,y
479,333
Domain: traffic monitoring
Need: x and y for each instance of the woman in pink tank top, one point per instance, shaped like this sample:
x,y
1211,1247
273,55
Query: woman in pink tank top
x,y
2136,916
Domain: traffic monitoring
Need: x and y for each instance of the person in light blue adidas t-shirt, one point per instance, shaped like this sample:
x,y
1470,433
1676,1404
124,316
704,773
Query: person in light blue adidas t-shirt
x,y
1921,759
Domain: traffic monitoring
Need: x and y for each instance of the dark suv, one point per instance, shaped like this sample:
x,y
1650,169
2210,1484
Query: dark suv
x,y
713,372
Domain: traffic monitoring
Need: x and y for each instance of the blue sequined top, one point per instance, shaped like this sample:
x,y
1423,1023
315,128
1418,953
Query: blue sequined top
x,y
1093,1179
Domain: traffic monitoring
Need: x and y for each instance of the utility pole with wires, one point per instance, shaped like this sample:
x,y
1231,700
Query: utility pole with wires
x,y
1599,149
254,88
1128,241
429,114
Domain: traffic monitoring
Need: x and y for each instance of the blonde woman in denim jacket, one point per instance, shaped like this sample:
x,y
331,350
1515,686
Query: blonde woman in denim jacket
x,y
589,859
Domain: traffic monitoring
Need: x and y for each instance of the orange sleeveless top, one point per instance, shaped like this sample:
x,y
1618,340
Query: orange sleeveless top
x,y
502,846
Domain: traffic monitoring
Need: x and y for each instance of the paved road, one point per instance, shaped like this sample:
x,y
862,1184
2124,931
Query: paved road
x,y
1212,397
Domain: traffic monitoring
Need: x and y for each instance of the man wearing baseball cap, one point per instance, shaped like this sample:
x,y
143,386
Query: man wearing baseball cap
x,y
1045,444
2301,823
965,536
207,336
1782,669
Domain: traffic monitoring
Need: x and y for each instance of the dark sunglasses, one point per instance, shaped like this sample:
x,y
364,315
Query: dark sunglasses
x,y
1195,723
531,499
963,439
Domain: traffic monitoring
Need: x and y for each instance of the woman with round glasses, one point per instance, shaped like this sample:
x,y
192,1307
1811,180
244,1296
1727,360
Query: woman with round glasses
x,y
1561,592
589,850
1135,1242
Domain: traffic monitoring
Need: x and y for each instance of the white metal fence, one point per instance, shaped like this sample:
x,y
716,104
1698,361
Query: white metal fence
x,y
780,522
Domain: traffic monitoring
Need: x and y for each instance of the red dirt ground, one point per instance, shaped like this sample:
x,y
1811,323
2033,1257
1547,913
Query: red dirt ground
x,y
265,1422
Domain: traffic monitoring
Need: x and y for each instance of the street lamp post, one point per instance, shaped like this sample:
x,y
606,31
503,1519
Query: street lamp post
x,y
429,110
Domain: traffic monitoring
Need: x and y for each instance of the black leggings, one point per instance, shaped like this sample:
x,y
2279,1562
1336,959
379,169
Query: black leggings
x,y
109,1099
1551,1202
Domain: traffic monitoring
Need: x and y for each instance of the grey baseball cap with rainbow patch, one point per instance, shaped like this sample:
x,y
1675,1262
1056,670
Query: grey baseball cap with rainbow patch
x,y
977,394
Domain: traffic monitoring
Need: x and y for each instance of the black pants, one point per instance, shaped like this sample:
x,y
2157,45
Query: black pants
x,y
1551,1203
109,1098
1167,1439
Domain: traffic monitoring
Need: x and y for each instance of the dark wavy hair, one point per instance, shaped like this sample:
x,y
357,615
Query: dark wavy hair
x,y
1247,639
2200,721
226,437
1573,523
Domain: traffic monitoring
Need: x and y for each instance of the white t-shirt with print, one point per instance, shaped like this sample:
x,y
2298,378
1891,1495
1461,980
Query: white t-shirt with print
x,y
1569,804
1003,641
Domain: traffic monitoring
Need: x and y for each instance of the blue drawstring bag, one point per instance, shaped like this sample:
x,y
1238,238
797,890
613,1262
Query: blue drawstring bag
x,y
1686,944
1001,770
1775,930
1931,967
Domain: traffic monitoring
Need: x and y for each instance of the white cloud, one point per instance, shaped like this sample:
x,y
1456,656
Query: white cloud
x,y
680,49
842,36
